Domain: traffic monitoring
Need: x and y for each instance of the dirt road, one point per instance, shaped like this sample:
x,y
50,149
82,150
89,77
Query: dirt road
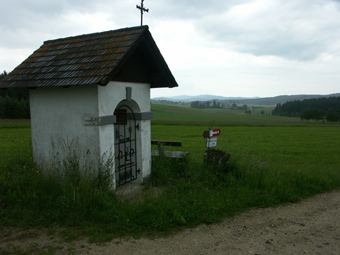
x,y
309,227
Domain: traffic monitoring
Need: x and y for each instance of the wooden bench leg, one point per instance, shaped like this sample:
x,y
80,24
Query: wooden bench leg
x,y
160,148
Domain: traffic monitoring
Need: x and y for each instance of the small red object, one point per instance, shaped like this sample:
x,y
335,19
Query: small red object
x,y
215,132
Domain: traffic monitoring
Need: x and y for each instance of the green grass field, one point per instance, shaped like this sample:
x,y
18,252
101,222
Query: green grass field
x,y
274,160
185,115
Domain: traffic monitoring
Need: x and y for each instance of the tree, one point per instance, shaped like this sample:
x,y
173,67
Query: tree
x,y
194,104
3,74
332,115
297,107
318,114
19,93
13,108
306,114
14,102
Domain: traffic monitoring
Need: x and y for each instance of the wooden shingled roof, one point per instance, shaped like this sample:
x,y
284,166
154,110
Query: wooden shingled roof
x,y
128,54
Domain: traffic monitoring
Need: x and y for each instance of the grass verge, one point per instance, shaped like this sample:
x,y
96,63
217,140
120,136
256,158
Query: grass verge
x,y
193,193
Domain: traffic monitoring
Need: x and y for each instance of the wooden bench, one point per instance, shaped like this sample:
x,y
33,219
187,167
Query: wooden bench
x,y
170,154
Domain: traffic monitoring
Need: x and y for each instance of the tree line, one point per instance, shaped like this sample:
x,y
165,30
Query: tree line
x,y
311,109
163,101
14,102
206,104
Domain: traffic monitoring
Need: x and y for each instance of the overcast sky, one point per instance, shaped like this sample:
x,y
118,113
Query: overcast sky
x,y
229,48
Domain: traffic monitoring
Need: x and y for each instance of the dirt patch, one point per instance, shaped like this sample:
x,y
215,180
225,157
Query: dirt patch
x,y
309,227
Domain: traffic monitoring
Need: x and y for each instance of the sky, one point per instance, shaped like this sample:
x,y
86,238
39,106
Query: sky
x,y
231,48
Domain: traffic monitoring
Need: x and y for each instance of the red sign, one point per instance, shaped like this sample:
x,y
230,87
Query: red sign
x,y
211,133
215,132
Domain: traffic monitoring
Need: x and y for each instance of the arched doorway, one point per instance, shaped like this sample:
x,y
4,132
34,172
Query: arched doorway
x,y
126,131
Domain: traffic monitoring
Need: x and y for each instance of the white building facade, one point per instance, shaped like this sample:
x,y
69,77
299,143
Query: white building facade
x,y
90,101
81,122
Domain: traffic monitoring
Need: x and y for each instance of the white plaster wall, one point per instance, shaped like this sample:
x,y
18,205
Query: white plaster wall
x,y
58,122
113,93
109,98
57,119
146,148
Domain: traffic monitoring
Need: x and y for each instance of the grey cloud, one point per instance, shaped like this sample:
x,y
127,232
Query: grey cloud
x,y
295,31
23,23
186,10
298,30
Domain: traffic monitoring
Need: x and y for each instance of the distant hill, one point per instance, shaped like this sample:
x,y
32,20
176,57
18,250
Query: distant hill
x,y
281,99
188,99
242,100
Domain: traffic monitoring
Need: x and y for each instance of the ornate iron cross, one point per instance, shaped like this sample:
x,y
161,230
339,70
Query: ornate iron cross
x,y
142,10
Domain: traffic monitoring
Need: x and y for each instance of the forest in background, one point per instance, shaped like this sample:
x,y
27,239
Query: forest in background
x,y
14,102
326,108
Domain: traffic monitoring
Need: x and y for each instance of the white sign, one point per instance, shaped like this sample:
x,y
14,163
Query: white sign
x,y
211,142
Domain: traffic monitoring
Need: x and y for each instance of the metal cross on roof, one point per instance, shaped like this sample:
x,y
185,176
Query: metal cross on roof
x,y
142,10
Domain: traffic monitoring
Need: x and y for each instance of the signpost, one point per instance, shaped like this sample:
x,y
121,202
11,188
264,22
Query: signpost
x,y
210,135
217,157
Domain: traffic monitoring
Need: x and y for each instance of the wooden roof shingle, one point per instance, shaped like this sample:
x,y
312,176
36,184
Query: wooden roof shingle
x,y
90,59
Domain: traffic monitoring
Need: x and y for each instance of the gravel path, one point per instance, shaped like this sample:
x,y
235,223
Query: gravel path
x,y
309,227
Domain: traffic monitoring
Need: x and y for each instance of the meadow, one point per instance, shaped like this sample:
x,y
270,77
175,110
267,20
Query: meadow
x,y
185,115
274,160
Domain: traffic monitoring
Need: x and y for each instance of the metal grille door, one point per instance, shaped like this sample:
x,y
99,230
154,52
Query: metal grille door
x,y
125,145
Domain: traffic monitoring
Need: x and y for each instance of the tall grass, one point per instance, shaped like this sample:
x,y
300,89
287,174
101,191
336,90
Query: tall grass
x,y
193,193
31,198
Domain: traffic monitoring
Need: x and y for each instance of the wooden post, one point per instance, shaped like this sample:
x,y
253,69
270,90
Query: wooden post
x,y
160,146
